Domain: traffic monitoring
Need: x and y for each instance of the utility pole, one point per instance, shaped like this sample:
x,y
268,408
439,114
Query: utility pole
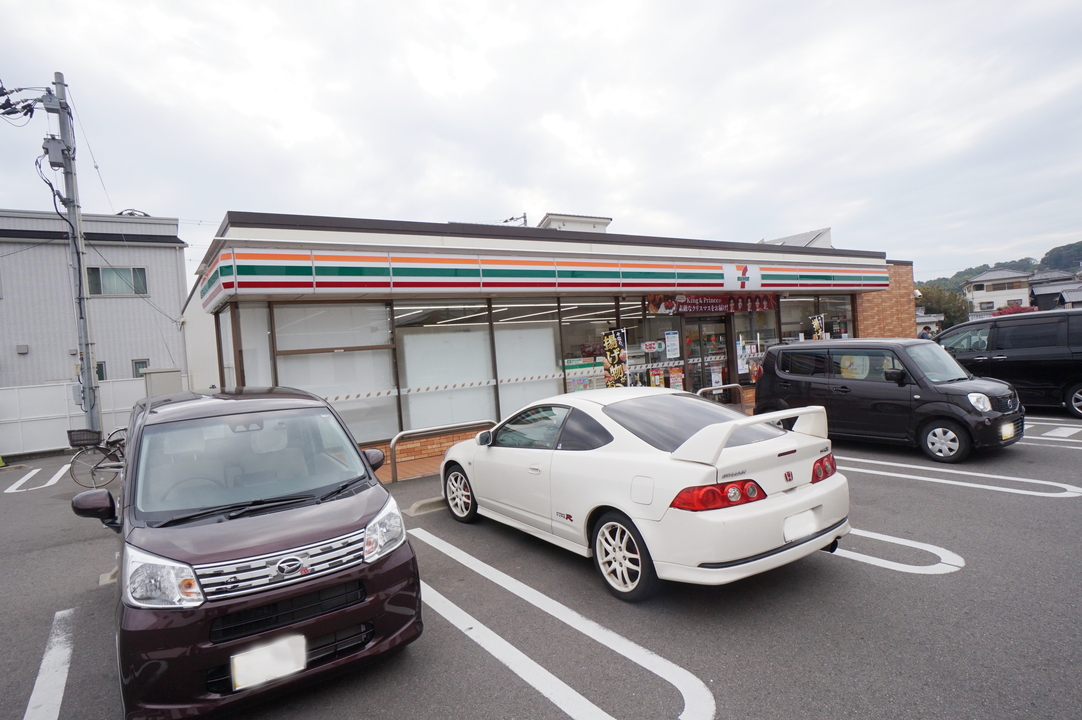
x,y
61,152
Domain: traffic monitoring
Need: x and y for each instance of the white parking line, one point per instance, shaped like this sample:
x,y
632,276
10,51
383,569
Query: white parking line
x,y
698,700
1069,491
1062,432
1060,447
949,562
552,687
53,674
15,487
19,483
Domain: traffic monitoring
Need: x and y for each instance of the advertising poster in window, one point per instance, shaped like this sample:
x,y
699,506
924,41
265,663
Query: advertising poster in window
x,y
676,378
709,304
615,344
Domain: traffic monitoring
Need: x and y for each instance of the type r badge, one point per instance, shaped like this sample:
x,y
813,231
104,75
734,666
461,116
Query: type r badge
x,y
564,516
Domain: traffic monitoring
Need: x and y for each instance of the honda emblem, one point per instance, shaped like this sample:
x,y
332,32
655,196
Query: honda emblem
x,y
788,476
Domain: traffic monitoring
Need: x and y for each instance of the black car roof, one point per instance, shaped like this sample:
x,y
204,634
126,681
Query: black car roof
x,y
192,404
1037,315
852,342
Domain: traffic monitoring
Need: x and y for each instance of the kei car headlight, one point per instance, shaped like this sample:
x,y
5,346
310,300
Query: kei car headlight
x,y
980,401
385,533
156,582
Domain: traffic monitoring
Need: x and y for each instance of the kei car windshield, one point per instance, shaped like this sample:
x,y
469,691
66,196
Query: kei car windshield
x,y
936,363
666,421
193,464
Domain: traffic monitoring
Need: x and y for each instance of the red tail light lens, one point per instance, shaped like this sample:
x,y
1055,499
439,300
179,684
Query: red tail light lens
x,y
823,468
715,497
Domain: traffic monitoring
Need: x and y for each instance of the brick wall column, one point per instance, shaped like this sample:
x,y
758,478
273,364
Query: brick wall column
x,y
890,312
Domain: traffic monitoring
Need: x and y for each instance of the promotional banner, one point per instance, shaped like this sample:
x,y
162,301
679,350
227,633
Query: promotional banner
x,y
818,323
708,304
615,344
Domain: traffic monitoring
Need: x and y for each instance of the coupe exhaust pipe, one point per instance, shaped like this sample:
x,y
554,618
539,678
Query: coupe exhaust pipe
x,y
831,547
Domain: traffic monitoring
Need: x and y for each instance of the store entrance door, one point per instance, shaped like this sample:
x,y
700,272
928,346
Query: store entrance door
x,y
706,352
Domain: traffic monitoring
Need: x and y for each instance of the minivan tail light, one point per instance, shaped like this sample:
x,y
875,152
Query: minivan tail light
x,y
824,467
717,496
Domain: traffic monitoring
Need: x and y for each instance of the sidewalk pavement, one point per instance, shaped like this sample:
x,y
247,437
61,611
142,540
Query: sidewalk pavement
x,y
408,469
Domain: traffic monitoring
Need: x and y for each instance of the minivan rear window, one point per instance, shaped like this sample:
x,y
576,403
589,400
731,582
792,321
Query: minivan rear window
x,y
803,362
1017,336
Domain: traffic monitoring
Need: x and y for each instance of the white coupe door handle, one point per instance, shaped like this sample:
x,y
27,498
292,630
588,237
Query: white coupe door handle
x,y
535,469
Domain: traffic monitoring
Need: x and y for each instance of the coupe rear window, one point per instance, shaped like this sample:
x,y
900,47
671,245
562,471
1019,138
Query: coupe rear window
x,y
667,421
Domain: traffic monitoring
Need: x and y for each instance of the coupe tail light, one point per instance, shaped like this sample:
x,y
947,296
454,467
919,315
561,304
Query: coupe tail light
x,y
721,495
823,468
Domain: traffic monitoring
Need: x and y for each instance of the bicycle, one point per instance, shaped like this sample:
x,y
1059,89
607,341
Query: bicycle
x,y
97,463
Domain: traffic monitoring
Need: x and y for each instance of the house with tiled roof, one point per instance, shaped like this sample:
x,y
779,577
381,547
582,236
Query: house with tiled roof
x,y
994,289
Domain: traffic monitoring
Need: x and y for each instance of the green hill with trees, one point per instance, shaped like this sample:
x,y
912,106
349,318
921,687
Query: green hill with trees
x,y
944,295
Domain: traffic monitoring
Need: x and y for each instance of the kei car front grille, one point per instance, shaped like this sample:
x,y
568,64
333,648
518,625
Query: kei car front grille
x,y
286,612
1019,428
1005,403
254,574
321,650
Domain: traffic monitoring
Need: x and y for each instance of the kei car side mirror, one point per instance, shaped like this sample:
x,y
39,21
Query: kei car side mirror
x,y
97,503
375,457
484,437
895,376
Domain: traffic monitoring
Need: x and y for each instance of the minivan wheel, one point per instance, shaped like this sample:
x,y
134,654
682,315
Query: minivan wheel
x,y
1074,400
945,441
459,494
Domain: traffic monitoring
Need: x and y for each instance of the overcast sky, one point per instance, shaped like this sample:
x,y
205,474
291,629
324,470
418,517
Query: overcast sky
x,y
946,133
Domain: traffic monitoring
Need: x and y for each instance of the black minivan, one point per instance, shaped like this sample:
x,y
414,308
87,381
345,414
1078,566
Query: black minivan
x,y
1040,353
903,391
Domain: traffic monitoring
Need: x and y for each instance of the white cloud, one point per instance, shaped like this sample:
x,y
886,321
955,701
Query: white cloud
x,y
944,133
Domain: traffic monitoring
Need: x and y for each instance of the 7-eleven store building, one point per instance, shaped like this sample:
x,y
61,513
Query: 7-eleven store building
x,y
405,325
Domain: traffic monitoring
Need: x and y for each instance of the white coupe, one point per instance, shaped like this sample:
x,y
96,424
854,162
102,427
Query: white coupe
x,y
656,484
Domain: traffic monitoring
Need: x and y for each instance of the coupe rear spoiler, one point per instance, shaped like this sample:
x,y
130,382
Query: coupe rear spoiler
x,y
706,445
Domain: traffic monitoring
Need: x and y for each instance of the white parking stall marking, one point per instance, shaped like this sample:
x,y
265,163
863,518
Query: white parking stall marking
x,y
948,562
19,483
556,690
53,674
698,700
1061,432
1068,491
1061,447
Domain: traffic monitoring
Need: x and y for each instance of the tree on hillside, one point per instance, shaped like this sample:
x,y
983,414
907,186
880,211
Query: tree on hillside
x,y
953,305
1064,257
958,279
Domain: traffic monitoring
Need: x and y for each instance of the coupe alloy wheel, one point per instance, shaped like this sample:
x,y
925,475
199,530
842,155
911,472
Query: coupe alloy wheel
x,y
621,557
460,496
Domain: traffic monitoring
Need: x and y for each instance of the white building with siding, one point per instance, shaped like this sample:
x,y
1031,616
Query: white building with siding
x,y
137,287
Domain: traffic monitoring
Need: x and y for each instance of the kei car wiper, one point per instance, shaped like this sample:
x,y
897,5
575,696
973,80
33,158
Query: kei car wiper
x,y
234,509
343,487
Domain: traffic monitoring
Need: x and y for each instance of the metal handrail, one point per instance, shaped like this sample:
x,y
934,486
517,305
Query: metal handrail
x,y
429,432
718,388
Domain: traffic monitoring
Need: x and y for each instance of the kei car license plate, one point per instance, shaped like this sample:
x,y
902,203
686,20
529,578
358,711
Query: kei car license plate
x,y
282,657
800,525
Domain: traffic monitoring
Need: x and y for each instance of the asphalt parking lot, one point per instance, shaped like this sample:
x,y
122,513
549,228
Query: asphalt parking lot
x,y
956,596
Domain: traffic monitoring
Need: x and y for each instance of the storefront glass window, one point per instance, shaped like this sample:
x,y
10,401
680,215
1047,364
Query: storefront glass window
x,y
255,344
307,327
225,337
659,363
359,384
755,332
796,318
837,312
584,321
445,362
527,351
